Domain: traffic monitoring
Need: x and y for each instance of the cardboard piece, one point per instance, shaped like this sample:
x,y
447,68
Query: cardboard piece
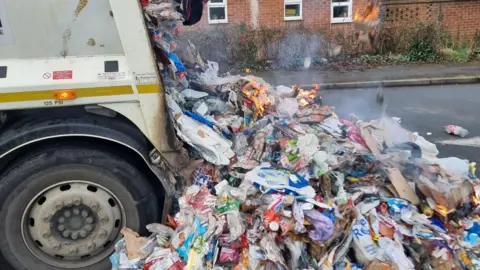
x,y
402,187
370,140
392,189
379,265
133,242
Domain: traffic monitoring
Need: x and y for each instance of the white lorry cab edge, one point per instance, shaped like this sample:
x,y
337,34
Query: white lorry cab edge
x,y
83,123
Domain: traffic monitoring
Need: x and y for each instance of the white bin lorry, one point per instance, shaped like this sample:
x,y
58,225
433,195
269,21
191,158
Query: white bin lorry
x,y
82,125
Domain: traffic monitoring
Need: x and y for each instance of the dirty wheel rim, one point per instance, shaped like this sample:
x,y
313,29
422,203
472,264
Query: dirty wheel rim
x,y
72,224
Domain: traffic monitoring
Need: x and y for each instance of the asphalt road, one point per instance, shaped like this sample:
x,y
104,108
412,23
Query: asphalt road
x,y
422,109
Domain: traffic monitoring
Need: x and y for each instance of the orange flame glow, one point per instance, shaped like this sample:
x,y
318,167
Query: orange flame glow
x,y
475,197
257,94
371,13
442,210
306,98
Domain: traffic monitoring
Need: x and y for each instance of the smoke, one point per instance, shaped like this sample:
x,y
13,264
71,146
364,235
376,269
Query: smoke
x,y
361,102
295,47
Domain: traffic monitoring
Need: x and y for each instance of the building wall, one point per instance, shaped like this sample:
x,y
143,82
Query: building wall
x,y
462,16
459,16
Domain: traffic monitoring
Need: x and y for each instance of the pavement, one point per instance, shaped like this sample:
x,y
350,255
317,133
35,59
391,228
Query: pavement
x,y
387,76
423,109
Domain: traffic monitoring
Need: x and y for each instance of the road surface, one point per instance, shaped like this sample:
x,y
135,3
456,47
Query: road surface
x,y
422,109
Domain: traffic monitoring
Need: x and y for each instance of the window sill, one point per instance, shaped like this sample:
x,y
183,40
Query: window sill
x,y
346,20
218,22
292,18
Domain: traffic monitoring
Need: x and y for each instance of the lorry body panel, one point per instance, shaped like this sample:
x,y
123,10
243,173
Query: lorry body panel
x,y
100,49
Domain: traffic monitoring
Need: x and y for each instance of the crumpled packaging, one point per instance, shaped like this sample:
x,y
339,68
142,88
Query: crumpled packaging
x,y
212,146
133,242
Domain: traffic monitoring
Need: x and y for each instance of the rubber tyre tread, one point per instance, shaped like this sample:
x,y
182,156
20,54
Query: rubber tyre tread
x,y
39,169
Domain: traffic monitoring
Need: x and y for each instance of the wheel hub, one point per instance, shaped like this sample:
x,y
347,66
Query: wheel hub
x,y
72,220
75,222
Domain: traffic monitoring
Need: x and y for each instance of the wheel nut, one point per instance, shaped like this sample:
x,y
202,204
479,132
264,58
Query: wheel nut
x,y
61,220
91,245
59,205
84,213
89,228
66,234
67,213
89,220
94,206
83,233
77,200
76,211
69,202
104,219
74,236
102,233
57,247
73,250
47,218
61,227
46,233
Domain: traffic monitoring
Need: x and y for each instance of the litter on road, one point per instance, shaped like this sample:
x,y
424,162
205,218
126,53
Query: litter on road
x,y
287,184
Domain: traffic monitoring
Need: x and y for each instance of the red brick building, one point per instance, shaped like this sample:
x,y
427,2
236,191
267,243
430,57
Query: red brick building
x,y
459,15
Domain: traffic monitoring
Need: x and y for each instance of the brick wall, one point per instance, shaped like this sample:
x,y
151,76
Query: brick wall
x,y
462,17
316,13
457,15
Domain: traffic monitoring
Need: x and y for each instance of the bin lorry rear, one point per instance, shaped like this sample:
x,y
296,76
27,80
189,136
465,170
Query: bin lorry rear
x,y
82,129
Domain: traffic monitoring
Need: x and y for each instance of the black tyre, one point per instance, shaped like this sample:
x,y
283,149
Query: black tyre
x,y
63,208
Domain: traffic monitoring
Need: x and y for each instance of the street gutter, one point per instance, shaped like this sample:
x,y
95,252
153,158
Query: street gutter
x,y
399,83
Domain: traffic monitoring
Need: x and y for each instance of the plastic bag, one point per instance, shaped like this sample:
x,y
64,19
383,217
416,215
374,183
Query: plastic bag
x,y
287,107
429,150
323,226
210,105
190,94
210,76
281,180
307,146
393,251
296,248
454,165
273,252
160,229
284,91
163,258
236,225
365,249
212,146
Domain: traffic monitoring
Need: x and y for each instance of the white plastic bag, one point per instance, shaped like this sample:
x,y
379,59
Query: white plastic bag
x,y
190,94
365,249
287,108
211,145
393,251
284,91
429,150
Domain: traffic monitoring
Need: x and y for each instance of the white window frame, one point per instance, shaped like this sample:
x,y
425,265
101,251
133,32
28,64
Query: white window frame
x,y
293,2
217,5
348,19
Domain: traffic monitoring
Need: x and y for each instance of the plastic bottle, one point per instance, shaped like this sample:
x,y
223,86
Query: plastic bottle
x,y
456,130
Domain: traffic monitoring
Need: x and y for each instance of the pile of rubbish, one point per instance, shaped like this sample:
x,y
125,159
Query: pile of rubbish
x,y
286,184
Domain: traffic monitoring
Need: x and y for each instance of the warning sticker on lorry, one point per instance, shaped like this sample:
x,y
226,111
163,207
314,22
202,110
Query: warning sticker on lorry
x,y
145,78
63,75
110,76
6,35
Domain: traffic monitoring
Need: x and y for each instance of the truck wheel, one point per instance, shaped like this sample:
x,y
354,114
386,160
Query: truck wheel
x,y
64,207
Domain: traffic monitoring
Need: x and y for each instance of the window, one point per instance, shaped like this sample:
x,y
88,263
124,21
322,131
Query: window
x,y
293,10
217,11
341,11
